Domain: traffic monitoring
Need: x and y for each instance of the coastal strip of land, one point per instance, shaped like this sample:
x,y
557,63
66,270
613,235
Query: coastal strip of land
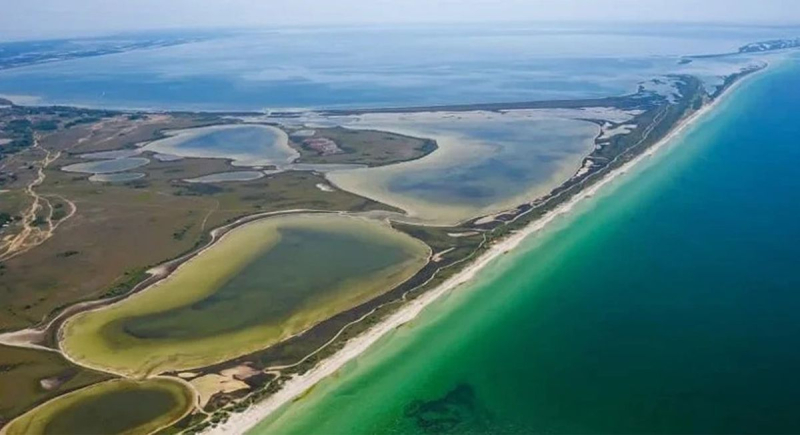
x,y
258,383
295,387
620,102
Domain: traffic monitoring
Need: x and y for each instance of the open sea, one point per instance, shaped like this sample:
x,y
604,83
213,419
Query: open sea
x,y
667,304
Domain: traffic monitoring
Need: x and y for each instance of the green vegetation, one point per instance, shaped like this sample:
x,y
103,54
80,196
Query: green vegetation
x,y
18,126
126,283
39,221
199,189
20,134
67,254
364,147
81,120
112,407
181,233
58,214
46,125
263,282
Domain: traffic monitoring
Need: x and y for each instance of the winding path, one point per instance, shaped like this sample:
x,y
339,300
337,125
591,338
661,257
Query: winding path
x,y
32,234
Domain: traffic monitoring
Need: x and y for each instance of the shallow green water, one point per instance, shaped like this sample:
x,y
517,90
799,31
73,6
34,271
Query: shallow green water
x,y
294,274
115,407
669,305
107,413
261,283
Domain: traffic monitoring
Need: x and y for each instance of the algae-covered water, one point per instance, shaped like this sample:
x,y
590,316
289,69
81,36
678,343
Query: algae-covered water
x,y
113,407
667,305
260,283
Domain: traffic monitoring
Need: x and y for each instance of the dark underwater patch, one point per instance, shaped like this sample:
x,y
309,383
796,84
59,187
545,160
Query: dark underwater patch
x,y
457,411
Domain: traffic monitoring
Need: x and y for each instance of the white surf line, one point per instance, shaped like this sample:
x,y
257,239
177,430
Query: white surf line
x,y
295,387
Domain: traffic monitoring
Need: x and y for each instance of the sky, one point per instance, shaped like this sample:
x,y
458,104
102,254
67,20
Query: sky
x,y
34,19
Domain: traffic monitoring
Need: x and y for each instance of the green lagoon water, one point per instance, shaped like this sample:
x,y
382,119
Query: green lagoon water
x,y
276,285
669,304
113,407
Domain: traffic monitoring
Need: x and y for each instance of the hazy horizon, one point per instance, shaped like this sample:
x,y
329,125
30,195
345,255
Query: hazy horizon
x,y
55,19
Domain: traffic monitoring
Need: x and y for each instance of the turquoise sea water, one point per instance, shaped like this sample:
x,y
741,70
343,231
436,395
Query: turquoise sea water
x,y
669,304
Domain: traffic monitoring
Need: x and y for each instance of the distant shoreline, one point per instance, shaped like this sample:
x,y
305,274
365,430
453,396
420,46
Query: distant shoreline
x,y
33,101
772,46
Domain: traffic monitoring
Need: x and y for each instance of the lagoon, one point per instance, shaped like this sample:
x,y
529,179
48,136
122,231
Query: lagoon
x,y
223,177
111,407
486,162
107,166
259,284
244,145
119,177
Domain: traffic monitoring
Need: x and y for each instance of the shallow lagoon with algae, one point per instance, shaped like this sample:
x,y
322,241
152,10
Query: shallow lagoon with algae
x,y
261,283
112,407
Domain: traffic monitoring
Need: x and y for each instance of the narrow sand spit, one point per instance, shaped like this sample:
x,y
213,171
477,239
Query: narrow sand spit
x,y
295,387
